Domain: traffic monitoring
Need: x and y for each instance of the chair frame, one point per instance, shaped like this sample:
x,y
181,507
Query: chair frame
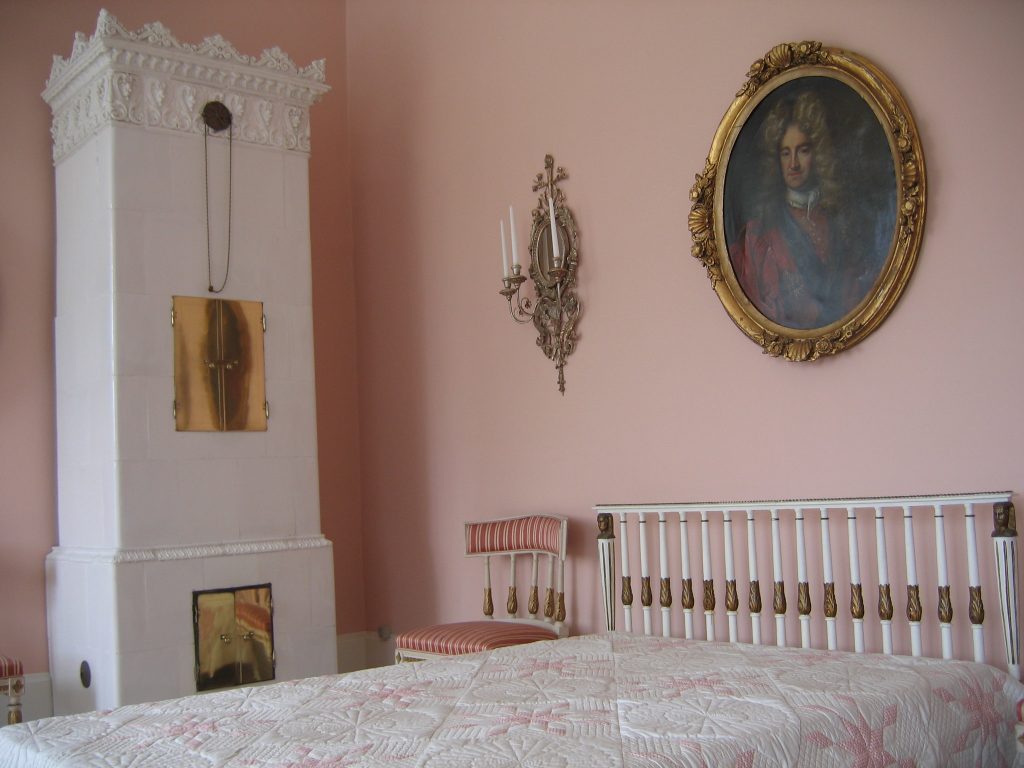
x,y
13,686
554,605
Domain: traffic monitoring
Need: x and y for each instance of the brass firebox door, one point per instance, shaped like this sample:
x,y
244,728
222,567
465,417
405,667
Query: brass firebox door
x,y
234,636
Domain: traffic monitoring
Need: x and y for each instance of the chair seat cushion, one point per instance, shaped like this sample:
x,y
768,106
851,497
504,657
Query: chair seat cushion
x,y
471,636
10,667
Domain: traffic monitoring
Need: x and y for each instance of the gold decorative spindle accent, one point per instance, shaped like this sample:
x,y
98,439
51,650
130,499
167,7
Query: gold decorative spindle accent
x,y
709,595
856,601
779,603
884,603
627,590
560,616
488,602
646,596
831,606
754,597
914,609
549,602
512,605
976,609
803,598
666,593
686,598
732,600
534,605
15,689
945,605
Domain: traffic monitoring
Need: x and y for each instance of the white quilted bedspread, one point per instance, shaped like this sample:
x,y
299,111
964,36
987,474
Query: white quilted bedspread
x,y
596,701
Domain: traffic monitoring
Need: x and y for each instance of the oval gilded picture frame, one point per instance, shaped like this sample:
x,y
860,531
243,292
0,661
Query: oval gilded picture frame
x,y
809,213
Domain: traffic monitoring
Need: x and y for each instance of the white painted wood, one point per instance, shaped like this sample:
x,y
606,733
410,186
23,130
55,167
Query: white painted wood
x,y
780,619
801,576
705,548
886,636
882,562
918,523
666,610
940,546
978,640
908,544
755,617
1006,572
974,575
827,578
988,497
945,627
684,560
730,570
627,610
855,582
606,558
645,572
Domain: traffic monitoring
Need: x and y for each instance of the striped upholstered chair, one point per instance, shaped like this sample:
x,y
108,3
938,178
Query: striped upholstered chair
x,y
12,683
533,536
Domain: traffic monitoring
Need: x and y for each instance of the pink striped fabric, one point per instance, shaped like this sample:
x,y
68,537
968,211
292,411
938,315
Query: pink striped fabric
x,y
471,636
533,533
10,667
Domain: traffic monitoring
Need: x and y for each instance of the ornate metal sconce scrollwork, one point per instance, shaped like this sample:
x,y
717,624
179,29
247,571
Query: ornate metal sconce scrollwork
x,y
554,259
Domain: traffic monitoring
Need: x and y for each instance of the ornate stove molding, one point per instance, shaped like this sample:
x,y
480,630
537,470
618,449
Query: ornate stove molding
x,y
148,78
193,552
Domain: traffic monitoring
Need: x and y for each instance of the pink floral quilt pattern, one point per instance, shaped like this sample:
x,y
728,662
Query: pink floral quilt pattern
x,y
599,701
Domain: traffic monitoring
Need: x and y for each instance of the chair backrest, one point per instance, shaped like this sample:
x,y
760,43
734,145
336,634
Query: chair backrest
x,y
528,535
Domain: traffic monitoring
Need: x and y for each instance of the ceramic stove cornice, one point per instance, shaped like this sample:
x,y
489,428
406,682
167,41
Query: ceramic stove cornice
x,y
148,78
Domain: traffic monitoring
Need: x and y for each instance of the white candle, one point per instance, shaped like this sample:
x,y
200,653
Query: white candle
x,y
512,226
556,257
504,249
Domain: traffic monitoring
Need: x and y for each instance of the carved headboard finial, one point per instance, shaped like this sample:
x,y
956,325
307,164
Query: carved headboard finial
x,y
1004,519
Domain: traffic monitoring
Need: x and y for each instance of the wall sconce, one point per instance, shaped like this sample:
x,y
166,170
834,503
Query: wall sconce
x,y
554,258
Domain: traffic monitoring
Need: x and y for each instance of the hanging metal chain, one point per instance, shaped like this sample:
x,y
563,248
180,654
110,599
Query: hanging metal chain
x,y
218,117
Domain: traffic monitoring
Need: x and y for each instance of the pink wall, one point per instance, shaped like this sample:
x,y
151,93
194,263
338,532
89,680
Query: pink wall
x,y
31,32
453,105
449,108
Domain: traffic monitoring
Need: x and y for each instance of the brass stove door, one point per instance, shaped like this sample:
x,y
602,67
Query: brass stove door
x,y
234,636
219,380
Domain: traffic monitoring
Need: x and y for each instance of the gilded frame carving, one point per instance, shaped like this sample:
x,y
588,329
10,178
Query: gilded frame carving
x,y
861,199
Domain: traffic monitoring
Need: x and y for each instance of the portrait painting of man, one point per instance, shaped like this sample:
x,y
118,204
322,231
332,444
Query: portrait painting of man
x,y
809,202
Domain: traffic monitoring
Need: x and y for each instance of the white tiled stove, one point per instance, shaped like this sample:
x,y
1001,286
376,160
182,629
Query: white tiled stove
x,y
147,515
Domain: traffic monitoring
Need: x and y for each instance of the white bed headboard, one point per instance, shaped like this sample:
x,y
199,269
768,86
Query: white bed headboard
x,y
796,559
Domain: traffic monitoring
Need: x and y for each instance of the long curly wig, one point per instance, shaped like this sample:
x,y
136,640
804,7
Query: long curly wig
x,y
805,110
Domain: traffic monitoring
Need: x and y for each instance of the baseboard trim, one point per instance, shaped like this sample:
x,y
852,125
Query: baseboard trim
x,y
352,651
362,650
